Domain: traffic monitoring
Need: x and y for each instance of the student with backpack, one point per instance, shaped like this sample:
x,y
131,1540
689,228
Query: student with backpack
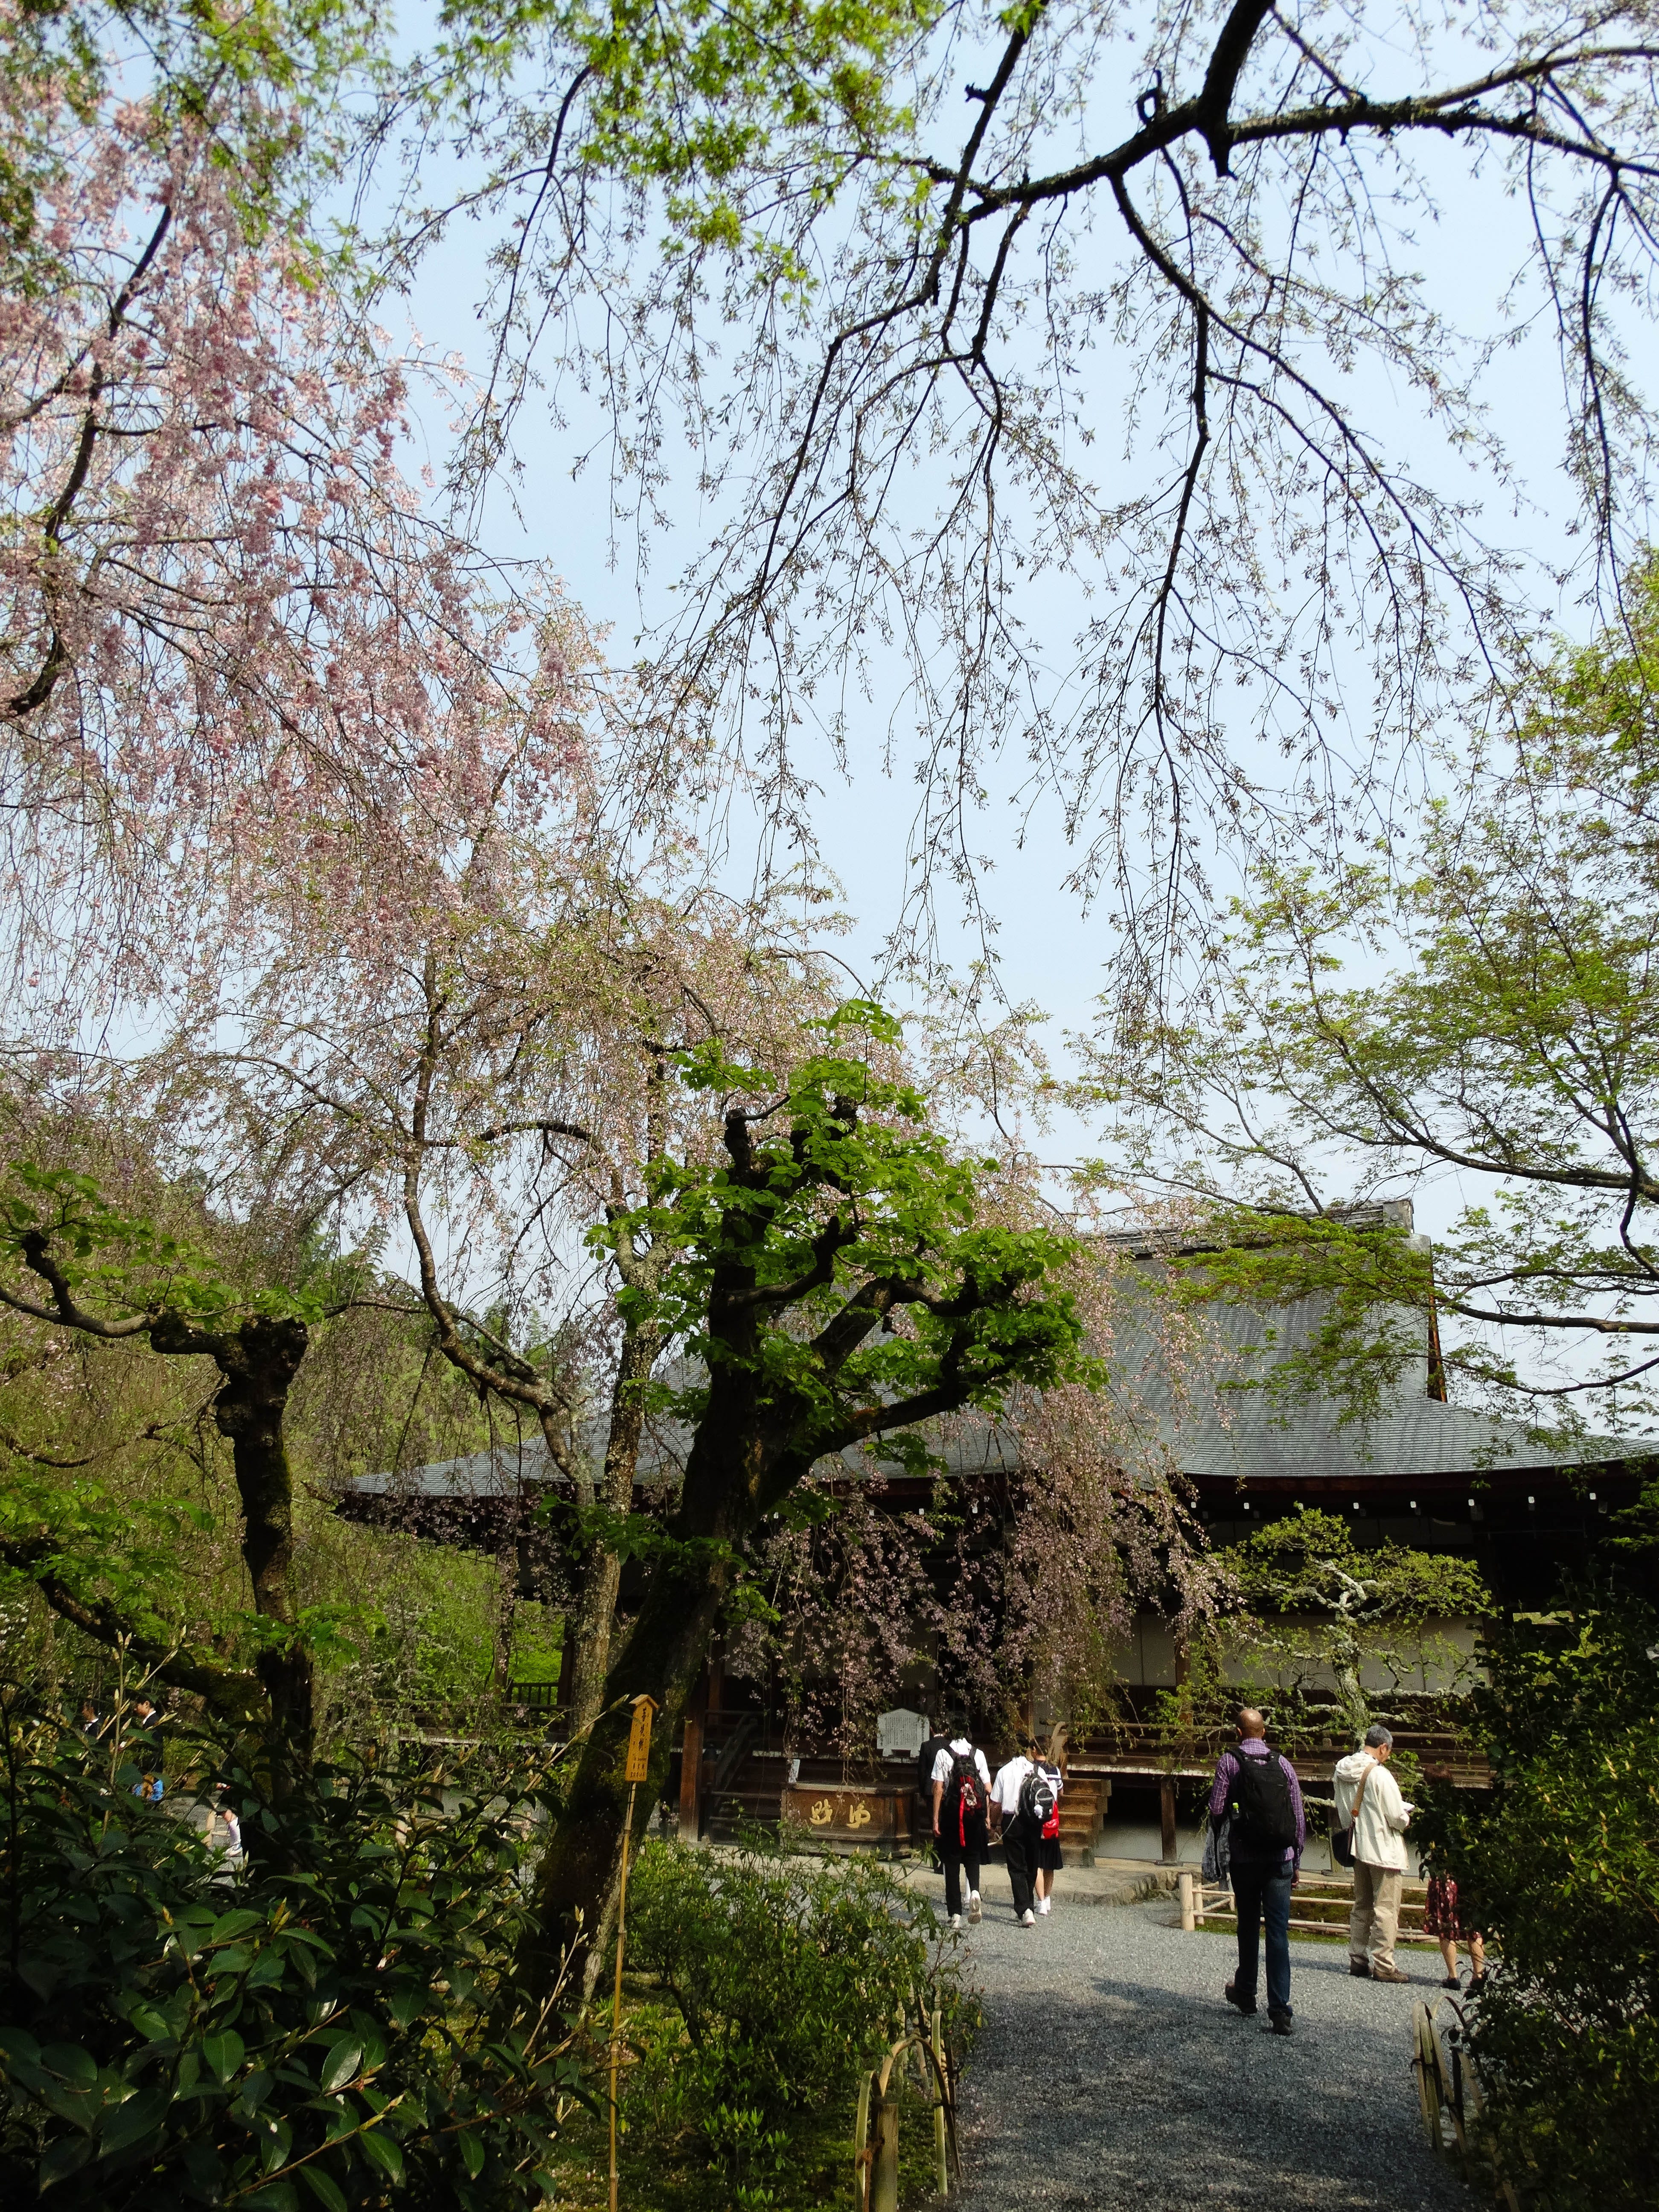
x,y
1022,1799
1052,1766
962,1790
926,1759
1257,1797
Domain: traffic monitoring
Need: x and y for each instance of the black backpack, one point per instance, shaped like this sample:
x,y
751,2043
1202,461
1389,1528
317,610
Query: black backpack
x,y
1264,1819
1037,1800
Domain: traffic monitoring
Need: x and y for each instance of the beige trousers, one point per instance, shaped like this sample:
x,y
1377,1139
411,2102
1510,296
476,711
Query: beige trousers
x,y
1374,1924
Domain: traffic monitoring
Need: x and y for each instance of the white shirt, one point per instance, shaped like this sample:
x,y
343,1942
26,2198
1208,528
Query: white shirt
x,y
1004,1790
959,1747
1379,1833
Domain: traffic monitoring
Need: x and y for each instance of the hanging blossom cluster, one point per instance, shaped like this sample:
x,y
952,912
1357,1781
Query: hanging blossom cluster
x,y
1006,1589
235,654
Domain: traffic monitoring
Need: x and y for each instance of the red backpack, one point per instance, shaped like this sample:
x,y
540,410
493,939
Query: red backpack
x,y
964,1792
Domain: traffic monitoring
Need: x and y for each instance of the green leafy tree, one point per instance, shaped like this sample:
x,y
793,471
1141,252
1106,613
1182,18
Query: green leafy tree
x,y
1560,1870
1481,1006
82,1267
837,1275
1317,1603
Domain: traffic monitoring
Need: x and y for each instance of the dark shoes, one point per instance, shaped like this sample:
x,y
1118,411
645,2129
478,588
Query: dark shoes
x,y
1362,1967
1279,2023
1246,2005
1451,1982
1388,1974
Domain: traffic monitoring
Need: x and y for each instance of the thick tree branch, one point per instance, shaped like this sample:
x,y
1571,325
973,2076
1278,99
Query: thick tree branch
x,y
64,1312
237,1692
1227,59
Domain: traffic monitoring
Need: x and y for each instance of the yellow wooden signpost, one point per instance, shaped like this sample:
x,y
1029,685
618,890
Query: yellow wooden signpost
x,y
635,1771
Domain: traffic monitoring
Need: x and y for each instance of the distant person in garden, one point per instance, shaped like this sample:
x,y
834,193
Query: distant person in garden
x,y
962,1791
225,1832
147,1754
1368,1801
1256,1797
1051,1765
1447,1915
87,1722
1021,1800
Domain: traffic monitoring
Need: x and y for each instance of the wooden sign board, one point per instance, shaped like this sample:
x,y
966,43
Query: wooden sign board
x,y
638,1741
843,1815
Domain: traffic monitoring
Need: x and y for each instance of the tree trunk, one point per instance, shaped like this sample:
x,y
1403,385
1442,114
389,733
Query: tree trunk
x,y
259,1361
589,1623
1347,1658
661,1659
731,1480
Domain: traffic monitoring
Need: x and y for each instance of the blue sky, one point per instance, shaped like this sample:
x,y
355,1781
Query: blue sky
x,y
1050,949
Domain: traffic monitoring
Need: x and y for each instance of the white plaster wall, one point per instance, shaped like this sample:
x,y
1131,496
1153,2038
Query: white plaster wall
x,y
1147,1660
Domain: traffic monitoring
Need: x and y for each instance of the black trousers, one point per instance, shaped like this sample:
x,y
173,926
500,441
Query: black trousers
x,y
959,1852
1020,1838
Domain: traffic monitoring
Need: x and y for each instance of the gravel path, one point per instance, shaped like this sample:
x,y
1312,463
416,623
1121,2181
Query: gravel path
x,y
1110,2074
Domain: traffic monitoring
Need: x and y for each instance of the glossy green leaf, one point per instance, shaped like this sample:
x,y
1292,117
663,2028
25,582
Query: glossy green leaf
x,y
133,2121
64,2157
322,2186
383,2150
224,2053
340,2065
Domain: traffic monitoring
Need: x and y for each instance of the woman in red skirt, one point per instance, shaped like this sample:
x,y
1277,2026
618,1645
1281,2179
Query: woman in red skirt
x,y
1442,1919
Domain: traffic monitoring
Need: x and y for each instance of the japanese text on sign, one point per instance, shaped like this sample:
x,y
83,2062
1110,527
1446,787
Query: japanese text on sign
x,y
638,1741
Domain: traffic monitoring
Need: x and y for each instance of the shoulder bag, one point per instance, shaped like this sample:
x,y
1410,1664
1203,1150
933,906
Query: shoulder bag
x,y
1341,1838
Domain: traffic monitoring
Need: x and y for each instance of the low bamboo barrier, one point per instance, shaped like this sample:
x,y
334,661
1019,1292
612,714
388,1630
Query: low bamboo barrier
x,y
1448,2091
1324,1904
876,2127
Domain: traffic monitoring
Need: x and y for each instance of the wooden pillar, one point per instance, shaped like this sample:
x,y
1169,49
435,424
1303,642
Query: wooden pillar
x,y
1166,1809
690,1773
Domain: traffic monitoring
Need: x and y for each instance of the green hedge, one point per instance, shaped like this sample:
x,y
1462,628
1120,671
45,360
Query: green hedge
x,y
1561,1871
335,2024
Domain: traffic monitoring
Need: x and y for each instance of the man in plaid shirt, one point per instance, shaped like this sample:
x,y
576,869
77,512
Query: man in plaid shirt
x,y
1257,1793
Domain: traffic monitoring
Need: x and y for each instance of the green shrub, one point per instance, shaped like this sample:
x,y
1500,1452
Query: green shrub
x,y
783,1979
1561,1871
337,2024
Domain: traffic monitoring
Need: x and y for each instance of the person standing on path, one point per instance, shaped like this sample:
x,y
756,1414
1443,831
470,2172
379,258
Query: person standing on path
x,y
1447,1918
1020,1827
961,1788
1257,1794
1053,1765
1369,1801
926,1759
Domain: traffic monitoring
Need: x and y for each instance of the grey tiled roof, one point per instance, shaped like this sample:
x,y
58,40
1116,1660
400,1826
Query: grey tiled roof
x,y
1193,1406
1221,1427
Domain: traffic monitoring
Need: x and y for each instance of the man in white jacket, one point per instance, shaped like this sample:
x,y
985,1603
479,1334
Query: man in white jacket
x,y
1369,1801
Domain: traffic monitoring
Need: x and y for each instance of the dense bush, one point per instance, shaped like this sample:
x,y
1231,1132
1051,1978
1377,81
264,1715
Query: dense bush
x,y
783,1979
1562,1871
336,2023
